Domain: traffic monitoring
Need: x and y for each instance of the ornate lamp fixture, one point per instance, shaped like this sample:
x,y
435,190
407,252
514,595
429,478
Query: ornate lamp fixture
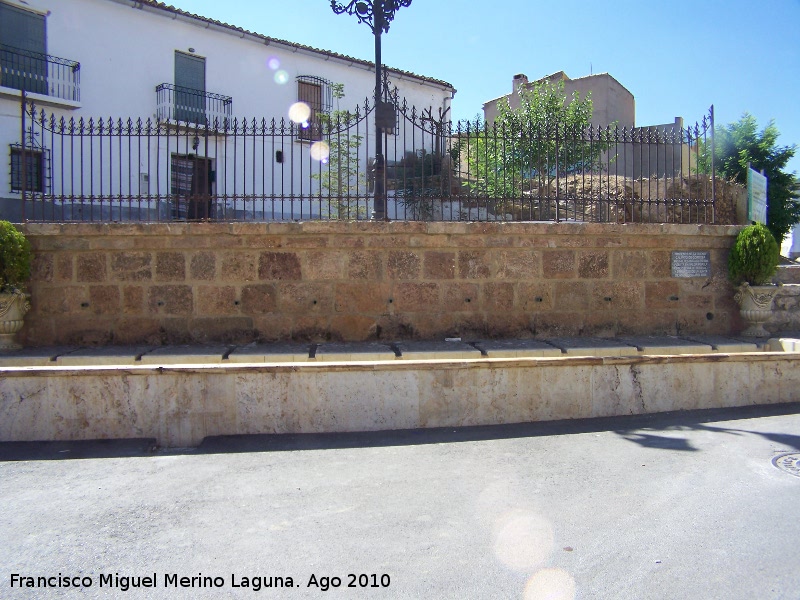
x,y
377,14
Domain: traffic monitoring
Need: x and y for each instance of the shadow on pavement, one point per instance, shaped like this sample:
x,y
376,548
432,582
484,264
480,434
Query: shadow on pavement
x,y
64,450
659,442
645,436
636,428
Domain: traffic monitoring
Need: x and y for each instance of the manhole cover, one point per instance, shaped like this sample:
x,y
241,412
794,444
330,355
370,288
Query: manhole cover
x,y
788,462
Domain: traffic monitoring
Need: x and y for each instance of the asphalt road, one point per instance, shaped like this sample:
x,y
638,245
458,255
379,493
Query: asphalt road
x,y
673,506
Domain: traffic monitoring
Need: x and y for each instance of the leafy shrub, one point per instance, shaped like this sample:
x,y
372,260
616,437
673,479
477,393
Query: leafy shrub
x,y
15,258
754,257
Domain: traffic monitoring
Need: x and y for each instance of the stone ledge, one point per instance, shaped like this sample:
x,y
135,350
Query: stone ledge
x,y
787,274
374,228
181,405
479,362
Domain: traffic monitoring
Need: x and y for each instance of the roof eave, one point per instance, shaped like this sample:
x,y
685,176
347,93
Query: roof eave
x,y
166,9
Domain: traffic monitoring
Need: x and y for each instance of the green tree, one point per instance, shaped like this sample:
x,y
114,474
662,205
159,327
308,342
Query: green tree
x,y
544,137
740,143
343,181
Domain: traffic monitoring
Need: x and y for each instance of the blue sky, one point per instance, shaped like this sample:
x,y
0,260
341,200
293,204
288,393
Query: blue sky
x,y
676,58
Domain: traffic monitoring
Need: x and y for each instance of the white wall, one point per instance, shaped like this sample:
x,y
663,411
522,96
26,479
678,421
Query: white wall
x,y
126,51
791,244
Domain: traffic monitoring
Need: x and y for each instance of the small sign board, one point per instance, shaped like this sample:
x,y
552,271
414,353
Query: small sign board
x,y
386,115
756,197
691,264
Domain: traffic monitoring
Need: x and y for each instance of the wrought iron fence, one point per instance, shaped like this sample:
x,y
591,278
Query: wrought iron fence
x,y
246,169
39,73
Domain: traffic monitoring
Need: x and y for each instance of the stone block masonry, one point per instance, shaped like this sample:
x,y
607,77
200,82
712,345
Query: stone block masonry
x,y
320,281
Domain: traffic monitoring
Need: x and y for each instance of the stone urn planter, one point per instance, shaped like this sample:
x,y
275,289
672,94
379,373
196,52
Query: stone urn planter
x,y
13,306
755,306
15,270
752,263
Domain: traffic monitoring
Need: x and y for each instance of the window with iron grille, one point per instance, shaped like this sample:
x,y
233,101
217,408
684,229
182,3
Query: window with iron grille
x,y
316,93
35,169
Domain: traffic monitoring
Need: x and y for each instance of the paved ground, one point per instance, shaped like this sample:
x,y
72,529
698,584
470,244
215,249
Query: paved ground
x,y
674,506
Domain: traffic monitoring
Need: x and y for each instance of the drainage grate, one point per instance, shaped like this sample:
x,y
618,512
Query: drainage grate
x,y
788,462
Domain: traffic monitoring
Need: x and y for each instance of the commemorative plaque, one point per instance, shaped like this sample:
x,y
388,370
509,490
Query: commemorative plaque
x,y
691,264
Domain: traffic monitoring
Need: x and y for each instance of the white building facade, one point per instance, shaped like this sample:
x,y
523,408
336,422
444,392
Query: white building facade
x,y
206,94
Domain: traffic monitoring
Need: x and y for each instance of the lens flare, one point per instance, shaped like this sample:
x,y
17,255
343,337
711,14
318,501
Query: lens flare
x,y
299,112
550,584
274,63
320,151
281,77
523,540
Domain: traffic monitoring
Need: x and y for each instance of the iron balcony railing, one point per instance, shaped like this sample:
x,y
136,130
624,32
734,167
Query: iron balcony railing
x,y
40,73
186,105
236,169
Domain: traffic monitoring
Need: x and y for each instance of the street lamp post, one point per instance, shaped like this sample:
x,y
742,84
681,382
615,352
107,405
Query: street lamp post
x,y
377,14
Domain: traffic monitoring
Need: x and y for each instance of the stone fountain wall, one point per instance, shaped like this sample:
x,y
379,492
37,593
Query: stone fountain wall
x,y
201,282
